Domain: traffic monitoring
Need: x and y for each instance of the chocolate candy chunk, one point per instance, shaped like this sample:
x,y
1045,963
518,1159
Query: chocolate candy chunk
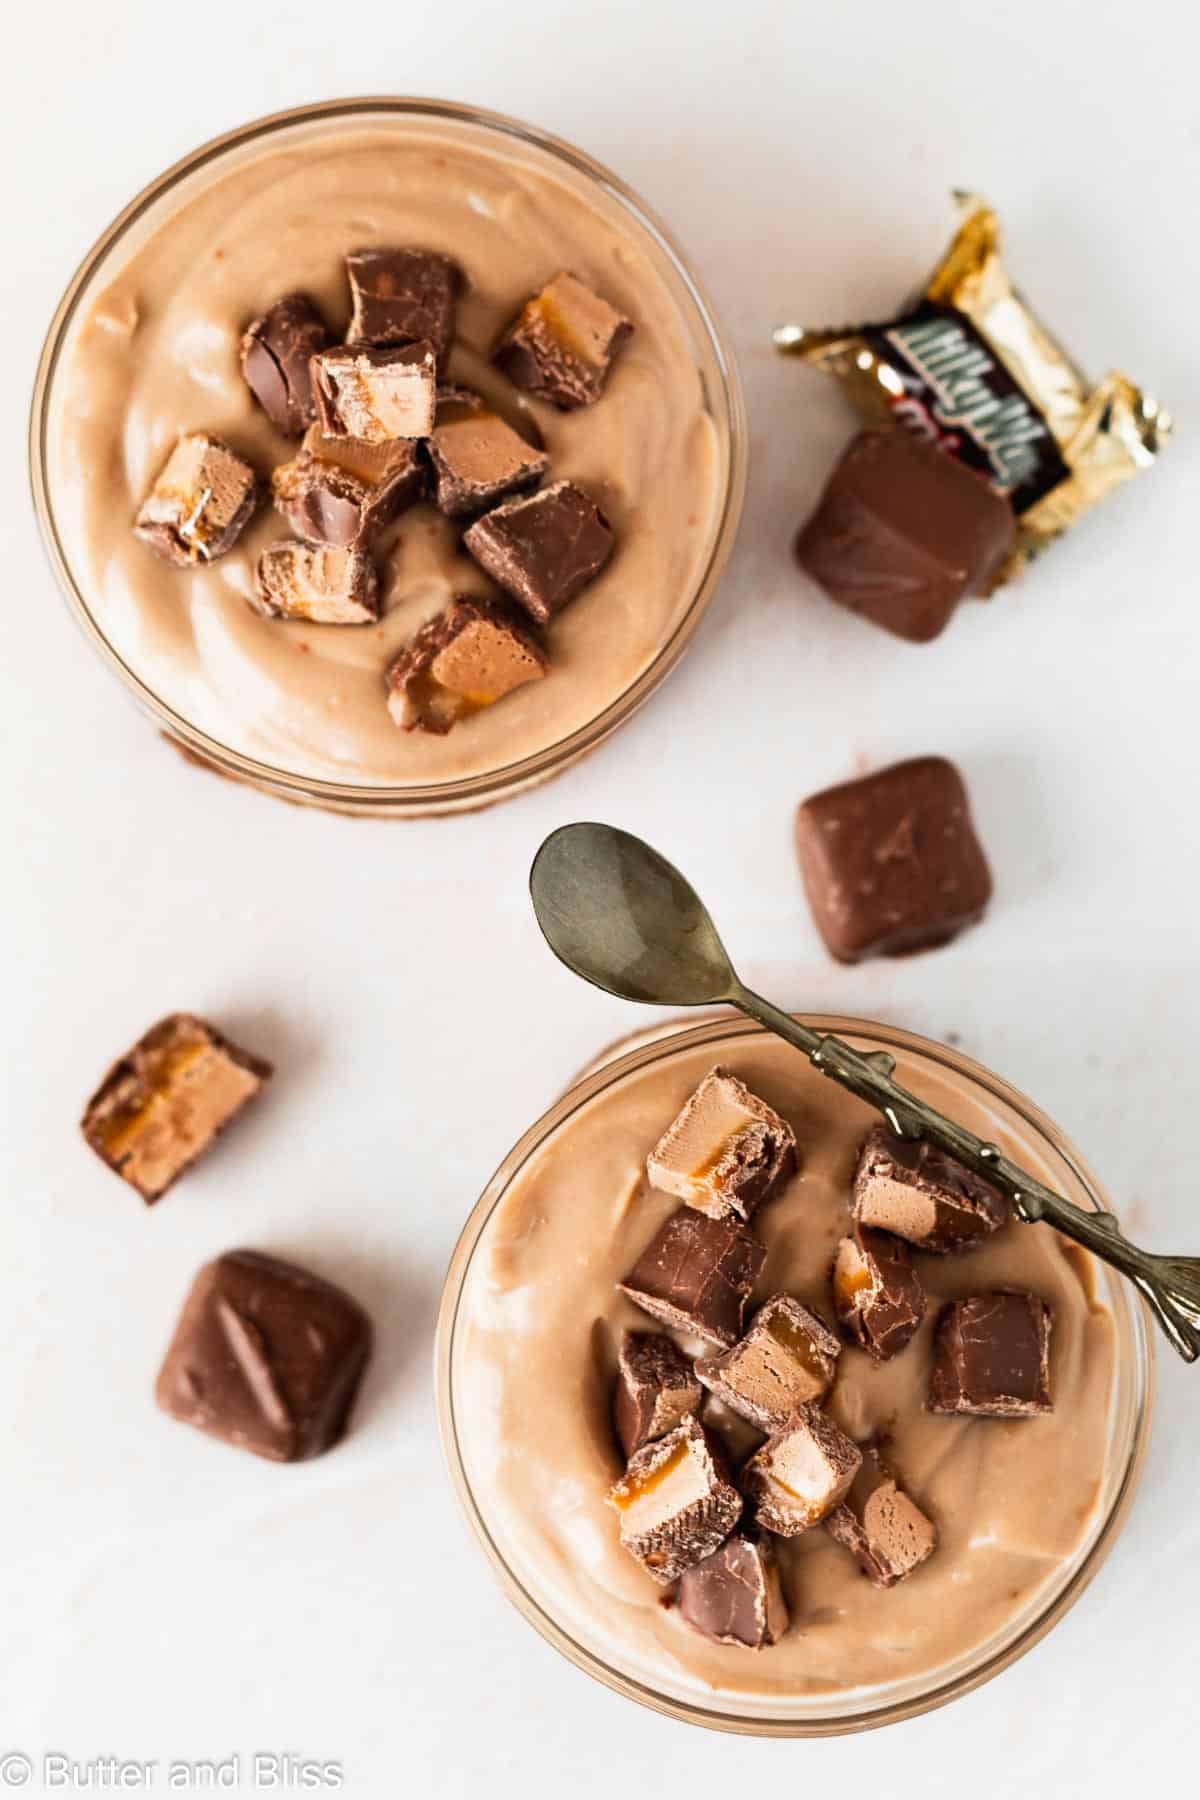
x,y
276,351
317,582
787,1358
466,658
543,549
656,1389
911,1189
696,1274
801,1473
880,1525
477,457
903,532
877,1293
265,1356
166,1100
375,395
343,492
676,1502
562,344
201,503
891,862
402,297
726,1152
992,1357
735,1595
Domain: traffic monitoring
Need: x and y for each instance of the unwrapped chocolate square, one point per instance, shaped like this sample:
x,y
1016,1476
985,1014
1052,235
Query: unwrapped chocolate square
x,y
786,1358
801,1473
317,582
563,343
881,1525
726,1152
375,395
402,296
904,531
992,1357
675,1502
656,1389
476,455
544,548
913,1190
276,351
266,1356
735,1596
464,659
877,1293
891,862
696,1274
201,503
342,492
162,1105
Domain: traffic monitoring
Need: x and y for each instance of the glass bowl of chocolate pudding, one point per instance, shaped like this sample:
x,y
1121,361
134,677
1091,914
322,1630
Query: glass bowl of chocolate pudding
x,y
143,349
1025,1509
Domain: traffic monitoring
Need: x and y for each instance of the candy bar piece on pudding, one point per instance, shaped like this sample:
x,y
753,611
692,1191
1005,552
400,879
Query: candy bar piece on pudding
x,y
542,549
735,1596
266,1356
696,1274
881,1525
992,1357
913,1190
726,1151
891,862
903,532
786,1358
166,1100
464,659
402,297
201,503
317,582
877,1293
656,1389
562,343
478,459
675,1502
373,394
277,349
801,1473
342,492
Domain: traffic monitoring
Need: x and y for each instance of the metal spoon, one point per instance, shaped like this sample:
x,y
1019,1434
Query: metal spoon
x,y
618,914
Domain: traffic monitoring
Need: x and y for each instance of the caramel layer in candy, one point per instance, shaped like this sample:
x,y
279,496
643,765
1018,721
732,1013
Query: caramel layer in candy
x,y
696,1274
911,1189
675,1502
656,1389
277,349
466,658
891,862
735,1595
563,342
992,1357
786,1358
317,582
877,1293
342,492
402,296
881,1526
477,457
375,395
201,503
166,1100
726,1152
903,532
266,1356
543,549
801,1473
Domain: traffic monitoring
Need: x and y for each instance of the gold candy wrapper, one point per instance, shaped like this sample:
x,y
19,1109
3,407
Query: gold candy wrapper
x,y
971,368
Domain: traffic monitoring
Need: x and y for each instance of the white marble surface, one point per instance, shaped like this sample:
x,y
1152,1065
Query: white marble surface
x,y
162,1597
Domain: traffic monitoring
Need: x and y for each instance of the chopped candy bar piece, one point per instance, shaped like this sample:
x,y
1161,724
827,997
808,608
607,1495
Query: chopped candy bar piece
x,y
342,492
542,549
735,1595
477,457
201,503
880,1525
375,395
696,1274
656,1389
563,343
276,352
877,1293
402,296
726,1152
801,1473
675,1502
317,582
787,1357
992,1357
464,659
913,1190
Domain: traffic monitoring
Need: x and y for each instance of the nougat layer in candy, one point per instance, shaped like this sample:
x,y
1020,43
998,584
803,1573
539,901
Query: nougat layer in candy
x,y
656,1389
477,457
317,582
992,1357
696,1274
916,1192
466,658
881,1525
342,492
200,504
544,548
401,296
801,1473
675,1502
787,1358
726,1152
877,1293
562,344
375,395
735,1596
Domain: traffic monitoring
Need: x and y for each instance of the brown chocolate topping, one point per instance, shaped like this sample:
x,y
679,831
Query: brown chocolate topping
x,y
992,1357
375,395
676,1502
655,1391
735,1596
402,296
317,582
464,659
563,343
205,496
276,351
877,1293
881,1525
543,549
341,492
696,1274
477,457
787,1358
914,1191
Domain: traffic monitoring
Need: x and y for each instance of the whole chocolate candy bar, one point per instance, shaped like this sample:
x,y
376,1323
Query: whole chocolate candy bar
x,y
992,1357
801,1473
402,296
563,343
375,395
542,549
201,503
726,1152
675,1502
881,1525
342,492
317,582
916,1192
476,455
656,1389
735,1596
786,1358
276,351
466,658
877,1293
696,1274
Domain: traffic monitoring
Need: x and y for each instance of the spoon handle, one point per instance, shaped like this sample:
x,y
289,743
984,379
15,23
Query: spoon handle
x,y
1170,1284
